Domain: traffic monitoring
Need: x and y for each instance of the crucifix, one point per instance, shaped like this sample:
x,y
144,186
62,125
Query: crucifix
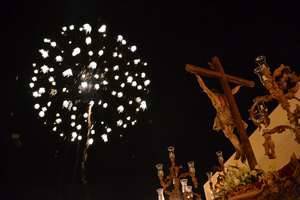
x,y
217,72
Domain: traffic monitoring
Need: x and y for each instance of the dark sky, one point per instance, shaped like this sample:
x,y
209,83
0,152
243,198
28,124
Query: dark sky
x,y
169,35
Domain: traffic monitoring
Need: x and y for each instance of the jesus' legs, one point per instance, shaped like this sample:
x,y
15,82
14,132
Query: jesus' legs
x,y
228,132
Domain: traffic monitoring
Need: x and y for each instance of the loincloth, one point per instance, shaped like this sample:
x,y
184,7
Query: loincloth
x,y
224,119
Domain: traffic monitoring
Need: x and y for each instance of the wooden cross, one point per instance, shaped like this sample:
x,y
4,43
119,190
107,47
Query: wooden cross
x,y
218,72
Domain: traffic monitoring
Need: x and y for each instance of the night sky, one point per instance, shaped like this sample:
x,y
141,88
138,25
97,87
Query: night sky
x,y
169,35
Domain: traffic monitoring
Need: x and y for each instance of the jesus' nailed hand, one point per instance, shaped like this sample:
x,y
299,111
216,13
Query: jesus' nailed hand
x,y
203,86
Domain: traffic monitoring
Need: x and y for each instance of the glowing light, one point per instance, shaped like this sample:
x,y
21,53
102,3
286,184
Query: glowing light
x,y
102,29
58,59
106,69
36,71
31,85
84,84
96,76
51,69
67,104
90,141
119,38
46,40
35,94
36,106
64,28
58,121
73,124
116,67
93,132
100,53
93,65
124,42
73,117
120,109
61,134
108,130
120,55
90,53
44,53
134,83
113,93
104,137
76,51
88,40
45,69
136,61
143,105
115,54
42,90
129,79
125,126
139,87
87,28
120,94
130,102
105,105
74,108
128,118
74,134
133,48
99,102
71,27
42,114
143,74
122,85
105,82
67,73
97,86
51,79
116,77
85,115
146,82
138,99
79,137
119,122
49,104
78,127
53,44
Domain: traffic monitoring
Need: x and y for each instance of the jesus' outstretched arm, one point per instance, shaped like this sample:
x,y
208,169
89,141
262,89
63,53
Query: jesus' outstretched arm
x,y
205,89
235,89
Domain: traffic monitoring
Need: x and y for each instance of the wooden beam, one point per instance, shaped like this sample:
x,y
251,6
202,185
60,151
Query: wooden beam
x,y
215,74
247,148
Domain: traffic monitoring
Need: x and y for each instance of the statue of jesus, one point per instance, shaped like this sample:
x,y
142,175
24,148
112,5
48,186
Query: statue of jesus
x,y
223,120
